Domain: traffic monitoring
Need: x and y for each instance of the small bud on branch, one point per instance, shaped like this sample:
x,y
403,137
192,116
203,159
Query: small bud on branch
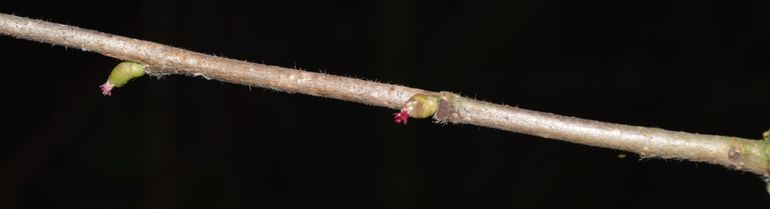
x,y
418,106
120,75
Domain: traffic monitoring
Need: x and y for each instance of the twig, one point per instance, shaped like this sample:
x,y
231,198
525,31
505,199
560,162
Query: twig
x,y
740,154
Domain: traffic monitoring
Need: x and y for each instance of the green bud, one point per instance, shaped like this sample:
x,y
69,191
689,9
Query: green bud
x,y
120,75
124,72
422,106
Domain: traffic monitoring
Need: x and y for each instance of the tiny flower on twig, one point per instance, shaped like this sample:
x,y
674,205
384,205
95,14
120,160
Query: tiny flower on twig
x,y
120,75
418,106
106,88
402,117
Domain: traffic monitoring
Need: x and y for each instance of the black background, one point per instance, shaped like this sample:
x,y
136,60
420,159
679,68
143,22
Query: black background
x,y
182,142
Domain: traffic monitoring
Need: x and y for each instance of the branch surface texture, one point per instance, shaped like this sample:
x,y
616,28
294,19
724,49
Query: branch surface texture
x,y
737,153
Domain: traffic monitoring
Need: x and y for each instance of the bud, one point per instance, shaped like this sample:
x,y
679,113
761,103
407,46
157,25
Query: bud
x,y
120,75
418,106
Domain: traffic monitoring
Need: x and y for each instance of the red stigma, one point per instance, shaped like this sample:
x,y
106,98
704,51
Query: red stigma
x,y
401,117
106,88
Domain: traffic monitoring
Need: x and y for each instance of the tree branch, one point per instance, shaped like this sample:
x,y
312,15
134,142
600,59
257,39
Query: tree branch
x,y
737,153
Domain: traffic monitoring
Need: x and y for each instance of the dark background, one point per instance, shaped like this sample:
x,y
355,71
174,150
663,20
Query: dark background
x,y
182,142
